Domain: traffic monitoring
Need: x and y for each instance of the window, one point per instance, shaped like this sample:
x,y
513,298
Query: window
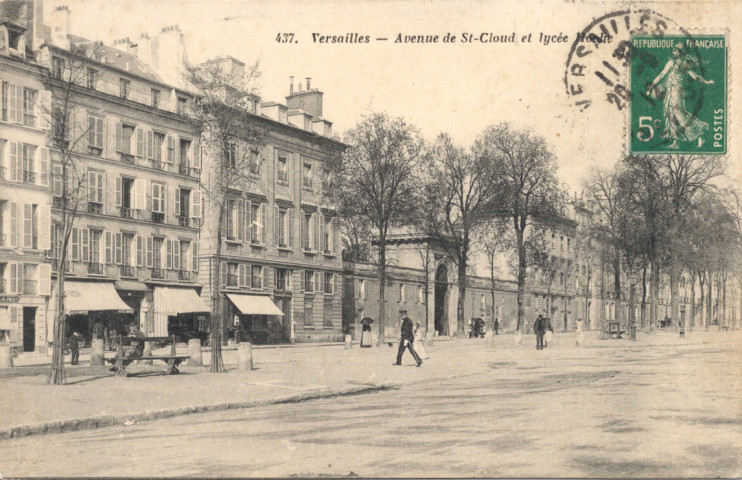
x,y
61,124
234,221
329,283
57,67
28,153
257,226
327,315
158,242
255,163
125,196
308,312
420,294
182,105
127,249
231,154
308,281
283,171
283,277
155,98
123,88
229,276
29,279
401,297
91,78
328,235
483,302
95,191
309,231
124,139
158,197
257,276
159,141
6,100
183,159
95,135
29,107
362,289
307,178
183,206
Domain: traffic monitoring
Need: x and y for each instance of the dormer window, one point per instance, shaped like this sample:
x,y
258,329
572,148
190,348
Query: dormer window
x,y
92,78
57,67
123,88
155,98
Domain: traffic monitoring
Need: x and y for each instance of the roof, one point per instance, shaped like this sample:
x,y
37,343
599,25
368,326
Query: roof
x,y
115,58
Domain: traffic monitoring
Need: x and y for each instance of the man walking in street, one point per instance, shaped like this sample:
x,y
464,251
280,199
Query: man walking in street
x,y
497,326
406,341
539,327
75,348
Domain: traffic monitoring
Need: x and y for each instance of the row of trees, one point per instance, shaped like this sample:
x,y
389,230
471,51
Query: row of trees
x,y
499,194
666,216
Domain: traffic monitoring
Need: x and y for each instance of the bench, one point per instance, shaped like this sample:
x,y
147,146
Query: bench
x,y
614,330
172,360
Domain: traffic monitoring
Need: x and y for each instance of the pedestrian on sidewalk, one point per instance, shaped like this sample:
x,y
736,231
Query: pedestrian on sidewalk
x,y
419,348
366,339
548,331
497,326
406,340
539,327
74,343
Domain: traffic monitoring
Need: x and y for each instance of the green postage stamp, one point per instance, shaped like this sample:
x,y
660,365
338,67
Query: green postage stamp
x,y
679,85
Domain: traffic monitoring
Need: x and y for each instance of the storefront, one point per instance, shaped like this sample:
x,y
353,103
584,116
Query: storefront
x,y
94,309
257,319
180,311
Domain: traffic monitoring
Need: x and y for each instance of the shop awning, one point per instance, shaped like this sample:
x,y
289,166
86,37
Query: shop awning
x,y
130,285
5,320
173,300
83,297
254,304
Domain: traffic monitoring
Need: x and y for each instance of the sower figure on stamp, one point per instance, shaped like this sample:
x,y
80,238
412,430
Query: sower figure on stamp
x,y
408,337
134,350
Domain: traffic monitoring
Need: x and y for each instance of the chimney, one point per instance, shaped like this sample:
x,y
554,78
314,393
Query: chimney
x,y
309,101
38,24
123,44
309,82
60,26
291,85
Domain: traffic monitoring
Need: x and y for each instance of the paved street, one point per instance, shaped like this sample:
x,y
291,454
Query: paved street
x,y
615,409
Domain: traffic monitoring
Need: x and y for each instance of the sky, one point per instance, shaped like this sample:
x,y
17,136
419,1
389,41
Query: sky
x,y
459,88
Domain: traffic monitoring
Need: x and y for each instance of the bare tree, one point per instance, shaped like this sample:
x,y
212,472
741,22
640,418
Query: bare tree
x,y
68,123
528,184
230,139
494,238
375,180
463,195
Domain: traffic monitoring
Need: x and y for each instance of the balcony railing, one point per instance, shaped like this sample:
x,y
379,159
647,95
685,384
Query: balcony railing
x,y
185,275
257,282
328,288
128,271
184,169
158,273
29,177
127,212
159,165
231,280
29,287
95,268
95,207
158,217
184,221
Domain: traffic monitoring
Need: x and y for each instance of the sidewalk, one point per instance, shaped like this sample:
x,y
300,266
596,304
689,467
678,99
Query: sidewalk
x,y
95,398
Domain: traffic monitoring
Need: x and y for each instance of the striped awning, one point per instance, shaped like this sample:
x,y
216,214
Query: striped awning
x,y
83,297
254,304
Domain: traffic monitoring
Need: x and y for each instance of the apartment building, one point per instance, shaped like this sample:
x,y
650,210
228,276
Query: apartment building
x,y
24,183
280,272
122,132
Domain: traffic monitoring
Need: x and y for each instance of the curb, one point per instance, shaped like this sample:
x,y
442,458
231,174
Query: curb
x,y
100,421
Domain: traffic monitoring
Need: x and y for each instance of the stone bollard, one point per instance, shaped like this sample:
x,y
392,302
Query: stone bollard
x,y
96,352
6,356
147,352
348,342
244,357
194,350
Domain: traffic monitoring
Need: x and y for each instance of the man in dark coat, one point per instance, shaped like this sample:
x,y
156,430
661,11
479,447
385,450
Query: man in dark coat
x,y
75,348
497,326
539,328
406,342
134,350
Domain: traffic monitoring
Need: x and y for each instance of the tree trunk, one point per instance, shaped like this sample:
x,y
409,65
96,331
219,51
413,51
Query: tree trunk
x,y
617,286
674,298
565,305
644,297
520,326
57,375
217,363
689,328
632,317
460,321
653,290
723,316
709,309
702,303
382,289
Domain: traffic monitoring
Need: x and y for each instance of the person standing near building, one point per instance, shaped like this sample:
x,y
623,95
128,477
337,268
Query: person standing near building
x,y
539,327
497,326
74,343
419,348
406,340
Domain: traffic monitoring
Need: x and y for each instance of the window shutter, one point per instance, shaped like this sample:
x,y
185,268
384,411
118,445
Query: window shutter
x,y
176,255
195,155
248,275
276,226
170,149
57,180
319,284
117,248
224,273
14,105
44,273
168,254
290,214
140,194
334,235
194,251
149,252
109,247
242,275
14,225
176,200
75,244
195,203
302,280
13,278
85,245
43,153
322,246
246,225
119,136
44,216
262,226
15,162
118,192
100,133
315,241
150,144
101,187
45,107
140,251
27,225
140,142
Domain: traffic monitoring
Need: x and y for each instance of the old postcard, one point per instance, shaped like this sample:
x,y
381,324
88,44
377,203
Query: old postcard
x,y
266,238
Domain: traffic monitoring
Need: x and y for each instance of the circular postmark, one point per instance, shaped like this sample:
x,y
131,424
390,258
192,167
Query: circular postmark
x,y
618,57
